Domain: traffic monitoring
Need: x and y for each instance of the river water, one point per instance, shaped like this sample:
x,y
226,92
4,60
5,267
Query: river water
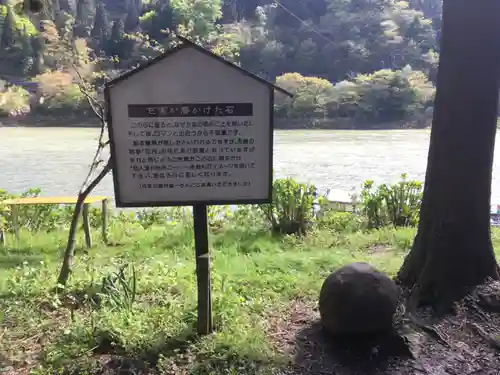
x,y
57,159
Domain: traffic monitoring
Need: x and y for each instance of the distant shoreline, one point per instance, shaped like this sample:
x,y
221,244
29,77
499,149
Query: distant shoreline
x,y
30,121
39,121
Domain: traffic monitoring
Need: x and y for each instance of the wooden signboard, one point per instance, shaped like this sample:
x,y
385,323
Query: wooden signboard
x,y
191,129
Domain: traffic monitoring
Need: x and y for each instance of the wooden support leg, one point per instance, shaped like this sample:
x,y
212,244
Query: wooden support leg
x,y
105,221
205,320
14,213
86,225
3,241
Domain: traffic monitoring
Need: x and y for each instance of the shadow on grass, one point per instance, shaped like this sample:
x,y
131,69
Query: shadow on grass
x,y
320,353
249,241
18,298
179,354
10,260
180,345
109,358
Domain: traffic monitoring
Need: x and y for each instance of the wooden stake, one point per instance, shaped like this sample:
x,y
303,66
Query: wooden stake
x,y
3,241
14,212
105,221
86,225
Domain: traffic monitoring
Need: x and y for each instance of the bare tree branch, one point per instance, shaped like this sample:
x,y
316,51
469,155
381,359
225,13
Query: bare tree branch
x,y
94,104
69,253
99,112
88,184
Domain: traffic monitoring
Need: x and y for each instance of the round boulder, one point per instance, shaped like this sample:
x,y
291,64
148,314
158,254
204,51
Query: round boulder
x,y
358,299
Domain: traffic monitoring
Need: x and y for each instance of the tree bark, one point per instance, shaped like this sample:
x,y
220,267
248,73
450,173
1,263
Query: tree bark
x,y
452,251
69,253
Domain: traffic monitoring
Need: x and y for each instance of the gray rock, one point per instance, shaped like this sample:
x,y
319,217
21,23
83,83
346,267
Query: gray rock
x,y
358,299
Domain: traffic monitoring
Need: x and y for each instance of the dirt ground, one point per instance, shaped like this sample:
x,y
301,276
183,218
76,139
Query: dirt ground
x,y
463,344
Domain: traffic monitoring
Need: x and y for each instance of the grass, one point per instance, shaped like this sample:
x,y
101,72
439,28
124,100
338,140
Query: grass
x,y
254,274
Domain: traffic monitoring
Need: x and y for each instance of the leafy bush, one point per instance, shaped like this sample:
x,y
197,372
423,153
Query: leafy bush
x,y
22,23
251,216
59,94
396,204
340,221
217,215
382,96
391,95
148,218
120,287
41,217
310,96
13,101
4,210
33,217
292,209
48,217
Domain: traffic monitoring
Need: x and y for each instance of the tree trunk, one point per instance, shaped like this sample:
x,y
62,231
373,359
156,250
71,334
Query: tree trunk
x,y
452,251
69,253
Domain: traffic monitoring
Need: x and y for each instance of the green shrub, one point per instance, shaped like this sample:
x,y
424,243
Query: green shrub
x,y
396,204
66,101
59,94
120,287
248,215
149,217
33,217
217,216
41,217
4,210
340,221
13,101
292,210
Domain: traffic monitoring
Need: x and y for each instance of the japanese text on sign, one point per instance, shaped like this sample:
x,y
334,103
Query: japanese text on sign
x,y
190,110
203,147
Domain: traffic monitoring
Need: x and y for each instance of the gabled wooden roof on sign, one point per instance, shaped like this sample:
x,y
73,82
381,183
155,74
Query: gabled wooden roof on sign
x,y
186,43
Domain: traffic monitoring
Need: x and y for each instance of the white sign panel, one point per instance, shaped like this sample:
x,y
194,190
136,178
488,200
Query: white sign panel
x,y
190,129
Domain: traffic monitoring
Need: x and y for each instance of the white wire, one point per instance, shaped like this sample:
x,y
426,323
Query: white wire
x,y
303,22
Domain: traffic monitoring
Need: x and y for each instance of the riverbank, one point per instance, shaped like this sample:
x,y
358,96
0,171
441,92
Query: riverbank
x,y
43,121
348,124
265,289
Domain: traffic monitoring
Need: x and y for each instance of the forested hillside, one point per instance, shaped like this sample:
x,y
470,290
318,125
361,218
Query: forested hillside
x,y
360,61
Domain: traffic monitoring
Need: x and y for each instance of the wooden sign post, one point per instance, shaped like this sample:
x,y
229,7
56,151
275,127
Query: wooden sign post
x,y
205,320
191,129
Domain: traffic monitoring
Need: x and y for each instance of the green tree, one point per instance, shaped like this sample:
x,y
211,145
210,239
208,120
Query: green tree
x,y
100,30
65,6
84,18
432,9
38,47
452,251
161,19
132,18
238,10
197,18
8,33
392,95
311,96
115,45
335,39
